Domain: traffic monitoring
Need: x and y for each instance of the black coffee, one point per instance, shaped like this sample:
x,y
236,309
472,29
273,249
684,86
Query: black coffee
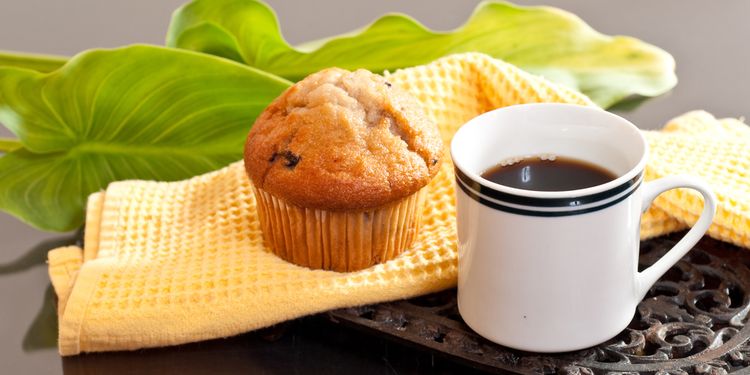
x,y
559,174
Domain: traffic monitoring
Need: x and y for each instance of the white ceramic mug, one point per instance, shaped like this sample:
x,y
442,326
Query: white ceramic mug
x,y
556,271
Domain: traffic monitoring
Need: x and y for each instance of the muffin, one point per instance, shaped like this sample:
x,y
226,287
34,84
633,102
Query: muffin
x,y
339,163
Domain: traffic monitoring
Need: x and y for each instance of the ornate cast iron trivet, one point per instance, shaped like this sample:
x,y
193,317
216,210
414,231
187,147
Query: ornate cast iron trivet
x,y
693,321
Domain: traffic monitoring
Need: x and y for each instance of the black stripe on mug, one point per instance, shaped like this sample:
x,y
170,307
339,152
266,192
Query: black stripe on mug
x,y
545,202
527,212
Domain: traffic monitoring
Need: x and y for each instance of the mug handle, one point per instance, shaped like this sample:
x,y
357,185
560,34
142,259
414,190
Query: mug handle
x,y
651,190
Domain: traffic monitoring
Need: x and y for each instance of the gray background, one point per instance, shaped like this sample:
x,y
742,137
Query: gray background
x,y
708,39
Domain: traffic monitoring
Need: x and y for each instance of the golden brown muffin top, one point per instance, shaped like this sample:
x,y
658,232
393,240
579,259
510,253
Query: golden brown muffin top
x,y
342,140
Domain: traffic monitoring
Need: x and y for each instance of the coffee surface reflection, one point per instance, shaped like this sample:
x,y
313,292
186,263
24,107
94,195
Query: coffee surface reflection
x,y
549,174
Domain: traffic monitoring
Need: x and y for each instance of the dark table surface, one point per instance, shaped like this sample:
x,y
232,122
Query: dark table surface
x,y
709,40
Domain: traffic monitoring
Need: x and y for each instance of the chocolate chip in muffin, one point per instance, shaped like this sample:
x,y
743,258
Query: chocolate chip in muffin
x,y
291,159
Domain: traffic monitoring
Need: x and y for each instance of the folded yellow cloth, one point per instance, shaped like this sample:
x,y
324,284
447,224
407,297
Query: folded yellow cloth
x,y
171,263
718,150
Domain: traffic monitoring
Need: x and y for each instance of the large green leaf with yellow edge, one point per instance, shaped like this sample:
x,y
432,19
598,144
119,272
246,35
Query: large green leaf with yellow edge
x,y
38,62
542,40
136,112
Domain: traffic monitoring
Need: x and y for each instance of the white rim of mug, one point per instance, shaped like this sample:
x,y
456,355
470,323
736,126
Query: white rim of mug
x,y
483,189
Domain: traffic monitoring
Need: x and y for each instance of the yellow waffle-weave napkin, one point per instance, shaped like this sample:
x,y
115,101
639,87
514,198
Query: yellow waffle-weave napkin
x,y
718,150
171,263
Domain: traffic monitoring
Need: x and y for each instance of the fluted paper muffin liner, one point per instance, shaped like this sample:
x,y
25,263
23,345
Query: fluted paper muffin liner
x,y
341,241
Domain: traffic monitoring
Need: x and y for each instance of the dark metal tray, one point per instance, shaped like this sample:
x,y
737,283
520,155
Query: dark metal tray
x,y
693,321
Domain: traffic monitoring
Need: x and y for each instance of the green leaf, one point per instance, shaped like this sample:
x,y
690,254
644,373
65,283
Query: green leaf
x,y
542,40
136,112
8,145
40,63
